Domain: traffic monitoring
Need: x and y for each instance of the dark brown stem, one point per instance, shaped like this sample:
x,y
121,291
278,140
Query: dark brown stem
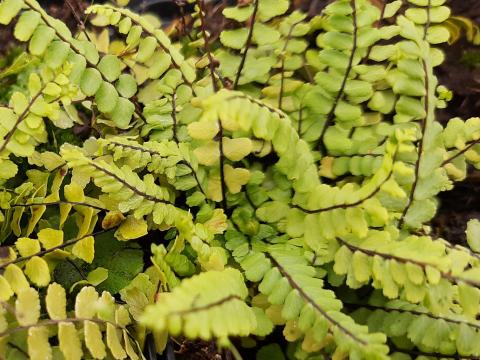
x,y
344,206
138,109
300,119
61,37
19,349
259,103
60,203
149,33
282,82
370,48
79,271
174,115
461,152
427,25
313,303
211,61
156,153
79,21
424,126
128,185
401,260
247,44
222,170
184,31
22,117
282,68
331,113
461,248
206,307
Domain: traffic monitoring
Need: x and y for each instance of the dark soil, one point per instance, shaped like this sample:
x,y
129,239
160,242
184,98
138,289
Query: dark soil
x,y
463,78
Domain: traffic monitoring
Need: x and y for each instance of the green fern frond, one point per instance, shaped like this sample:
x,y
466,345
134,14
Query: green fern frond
x,y
168,158
311,312
207,305
92,316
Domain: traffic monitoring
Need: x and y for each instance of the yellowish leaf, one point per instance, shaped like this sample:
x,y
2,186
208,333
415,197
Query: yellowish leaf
x,y
27,246
236,178
84,224
216,260
160,339
122,317
56,256
217,224
132,228
132,355
70,345
113,342
56,302
137,301
37,213
237,149
93,340
50,237
74,192
203,130
214,189
106,307
122,2
64,212
37,271
3,320
38,345
261,148
85,249
97,276
47,159
208,154
15,277
6,291
326,167
27,307
85,303
112,219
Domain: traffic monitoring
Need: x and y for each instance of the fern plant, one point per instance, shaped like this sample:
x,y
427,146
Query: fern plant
x,y
281,174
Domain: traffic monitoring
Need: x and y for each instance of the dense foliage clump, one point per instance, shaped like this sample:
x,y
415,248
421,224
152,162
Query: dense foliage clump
x,y
278,175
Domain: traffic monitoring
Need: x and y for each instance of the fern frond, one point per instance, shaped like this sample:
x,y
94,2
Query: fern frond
x,y
40,196
289,281
168,158
457,25
411,323
258,120
208,305
461,139
50,39
155,49
92,315
415,269
23,127
126,192
35,259
430,16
